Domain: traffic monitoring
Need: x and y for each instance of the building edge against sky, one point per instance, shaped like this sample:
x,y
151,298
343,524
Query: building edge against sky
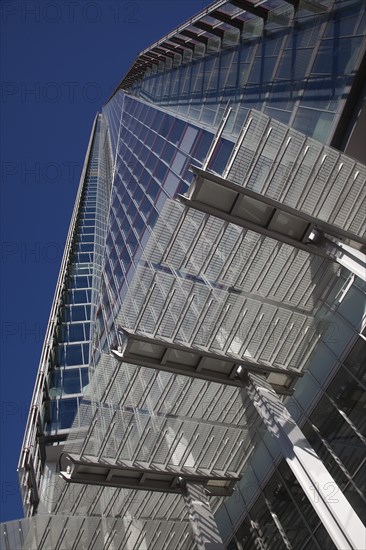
x,y
213,280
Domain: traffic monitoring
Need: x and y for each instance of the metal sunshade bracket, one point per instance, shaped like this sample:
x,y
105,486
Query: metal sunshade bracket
x,y
218,196
167,355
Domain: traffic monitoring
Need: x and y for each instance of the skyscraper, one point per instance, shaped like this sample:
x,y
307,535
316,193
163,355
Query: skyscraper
x,y
202,380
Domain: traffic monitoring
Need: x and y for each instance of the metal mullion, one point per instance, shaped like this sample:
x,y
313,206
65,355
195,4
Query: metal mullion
x,y
258,152
165,308
146,302
189,300
193,244
313,176
232,254
276,250
249,414
89,432
139,538
255,325
285,333
273,324
357,200
307,76
299,343
245,452
161,503
276,163
322,299
238,443
127,502
339,519
198,400
147,388
191,445
302,272
237,323
165,392
111,503
62,535
124,439
78,499
183,394
79,536
224,311
223,446
127,535
297,167
155,536
179,509
46,532
111,383
237,147
284,271
108,434
251,258
111,536
6,536
331,177
61,498
174,236
215,246
344,194
205,446
313,341
178,436
166,542
232,402
217,136
96,501
279,56
158,443
141,444
130,384
206,307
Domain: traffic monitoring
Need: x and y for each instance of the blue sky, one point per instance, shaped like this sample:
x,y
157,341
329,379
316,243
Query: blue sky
x,y
60,61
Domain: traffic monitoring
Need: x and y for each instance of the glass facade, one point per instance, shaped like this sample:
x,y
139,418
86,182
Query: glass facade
x,y
162,295
153,154
296,68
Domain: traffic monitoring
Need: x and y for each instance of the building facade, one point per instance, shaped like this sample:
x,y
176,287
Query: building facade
x,y
202,381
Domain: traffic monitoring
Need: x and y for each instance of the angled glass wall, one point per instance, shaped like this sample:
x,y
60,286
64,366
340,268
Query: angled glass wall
x,y
297,67
64,369
153,153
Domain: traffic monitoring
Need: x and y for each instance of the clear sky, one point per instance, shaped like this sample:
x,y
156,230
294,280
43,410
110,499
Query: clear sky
x,y
60,61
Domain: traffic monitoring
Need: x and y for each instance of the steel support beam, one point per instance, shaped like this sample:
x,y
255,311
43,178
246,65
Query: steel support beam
x,y
336,514
89,470
219,197
208,28
203,523
195,36
225,18
156,353
248,6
